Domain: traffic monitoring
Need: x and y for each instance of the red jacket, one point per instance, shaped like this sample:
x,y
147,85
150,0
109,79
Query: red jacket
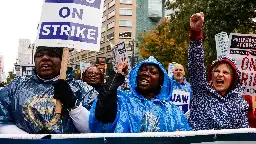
x,y
251,112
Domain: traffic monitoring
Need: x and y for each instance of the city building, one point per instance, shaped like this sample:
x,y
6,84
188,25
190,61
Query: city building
x,y
123,20
148,14
25,61
2,74
118,24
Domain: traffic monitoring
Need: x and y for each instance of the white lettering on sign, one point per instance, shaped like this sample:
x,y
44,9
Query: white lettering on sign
x,y
74,31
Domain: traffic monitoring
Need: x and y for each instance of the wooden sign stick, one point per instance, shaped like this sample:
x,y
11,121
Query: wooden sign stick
x,y
253,103
63,75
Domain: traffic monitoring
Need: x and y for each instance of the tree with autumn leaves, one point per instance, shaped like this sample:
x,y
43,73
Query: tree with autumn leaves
x,y
168,42
162,44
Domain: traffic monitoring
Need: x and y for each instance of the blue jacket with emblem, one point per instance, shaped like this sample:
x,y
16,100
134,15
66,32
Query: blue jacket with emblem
x,y
137,114
28,103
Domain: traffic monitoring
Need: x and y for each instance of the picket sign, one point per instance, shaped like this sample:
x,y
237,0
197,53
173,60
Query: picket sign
x,y
221,40
120,54
70,24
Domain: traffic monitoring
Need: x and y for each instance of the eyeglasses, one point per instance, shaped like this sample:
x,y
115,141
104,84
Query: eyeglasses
x,y
92,72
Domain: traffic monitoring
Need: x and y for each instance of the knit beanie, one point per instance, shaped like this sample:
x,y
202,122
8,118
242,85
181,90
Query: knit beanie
x,y
56,50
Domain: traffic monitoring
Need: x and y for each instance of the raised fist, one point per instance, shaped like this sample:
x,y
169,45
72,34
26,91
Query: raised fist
x,y
197,21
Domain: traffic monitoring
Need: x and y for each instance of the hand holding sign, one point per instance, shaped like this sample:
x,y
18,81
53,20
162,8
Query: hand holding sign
x,y
197,21
123,68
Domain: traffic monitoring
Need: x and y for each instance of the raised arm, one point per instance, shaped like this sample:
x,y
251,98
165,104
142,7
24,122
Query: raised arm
x,y
196,67
105,111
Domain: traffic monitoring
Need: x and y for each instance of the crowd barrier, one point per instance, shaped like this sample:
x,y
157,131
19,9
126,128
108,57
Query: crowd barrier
x,y
227,136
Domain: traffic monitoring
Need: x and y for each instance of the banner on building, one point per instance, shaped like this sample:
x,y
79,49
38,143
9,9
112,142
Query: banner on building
x,y
243,50
71,24
26,70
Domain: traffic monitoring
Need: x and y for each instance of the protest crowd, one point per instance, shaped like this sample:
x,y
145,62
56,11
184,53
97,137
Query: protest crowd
x,y
154,102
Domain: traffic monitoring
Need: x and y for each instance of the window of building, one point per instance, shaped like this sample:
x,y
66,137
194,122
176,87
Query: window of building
x,y
111,25
125,11
102,40
110,4
104,18
103,29
102,51
84,56
111,14
108,48
125,23
110,36
125,34
104,8
126,1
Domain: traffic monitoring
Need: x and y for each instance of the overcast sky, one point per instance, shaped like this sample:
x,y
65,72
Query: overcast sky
x,y
19,19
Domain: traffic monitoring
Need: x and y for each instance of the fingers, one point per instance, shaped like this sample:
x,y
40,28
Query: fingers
x,y
122,67
197,17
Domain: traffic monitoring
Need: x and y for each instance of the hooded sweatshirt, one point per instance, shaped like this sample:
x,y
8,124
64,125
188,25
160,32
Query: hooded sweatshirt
x,y
137,114
210,110
28,103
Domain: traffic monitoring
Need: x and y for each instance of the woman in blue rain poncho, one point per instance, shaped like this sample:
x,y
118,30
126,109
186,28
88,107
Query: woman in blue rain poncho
x,y
143,108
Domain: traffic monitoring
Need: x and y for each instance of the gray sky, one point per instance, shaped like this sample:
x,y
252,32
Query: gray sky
x,y
19,19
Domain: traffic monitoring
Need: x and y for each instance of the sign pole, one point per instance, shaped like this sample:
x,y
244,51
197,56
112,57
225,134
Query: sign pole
x,y
63,75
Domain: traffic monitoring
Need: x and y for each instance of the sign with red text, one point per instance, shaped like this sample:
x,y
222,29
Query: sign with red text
x,y
243,50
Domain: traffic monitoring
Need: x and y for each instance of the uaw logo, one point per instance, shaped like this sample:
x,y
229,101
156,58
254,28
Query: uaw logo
x,y
181,99
40,112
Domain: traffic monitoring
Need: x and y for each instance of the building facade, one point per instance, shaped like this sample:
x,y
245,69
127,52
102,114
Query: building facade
x,y
118,24
25,61
148,14
2,74
123,20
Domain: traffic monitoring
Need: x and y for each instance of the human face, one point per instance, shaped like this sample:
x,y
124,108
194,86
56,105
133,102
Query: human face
x,y
222,77
178,72
92,76
47,64
148,77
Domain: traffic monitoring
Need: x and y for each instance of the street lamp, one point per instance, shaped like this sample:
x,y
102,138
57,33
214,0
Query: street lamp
x,y
32,46
132,44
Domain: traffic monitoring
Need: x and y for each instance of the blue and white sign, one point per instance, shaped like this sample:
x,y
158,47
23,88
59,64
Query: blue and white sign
x,y
71,24
181,99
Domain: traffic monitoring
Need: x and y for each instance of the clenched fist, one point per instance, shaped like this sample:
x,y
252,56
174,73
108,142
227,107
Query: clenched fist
x,y
197,21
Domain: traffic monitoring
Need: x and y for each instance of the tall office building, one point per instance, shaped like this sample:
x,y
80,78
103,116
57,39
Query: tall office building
x,y
123,20
118,24
25,61
148,14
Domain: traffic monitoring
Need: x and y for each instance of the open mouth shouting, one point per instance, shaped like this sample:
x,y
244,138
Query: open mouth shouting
x,y
220,82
